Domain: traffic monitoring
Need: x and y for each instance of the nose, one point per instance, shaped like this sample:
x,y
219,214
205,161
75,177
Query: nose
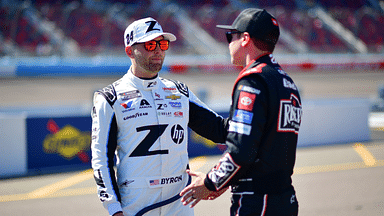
x,y
157,49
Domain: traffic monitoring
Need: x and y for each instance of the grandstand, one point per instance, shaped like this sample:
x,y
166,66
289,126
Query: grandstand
x,y
95,27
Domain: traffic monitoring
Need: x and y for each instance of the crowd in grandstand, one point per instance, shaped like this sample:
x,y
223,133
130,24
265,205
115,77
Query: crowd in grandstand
x,y
44,27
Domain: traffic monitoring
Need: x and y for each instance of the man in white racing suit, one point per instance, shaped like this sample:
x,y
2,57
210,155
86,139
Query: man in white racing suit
x,y
144,119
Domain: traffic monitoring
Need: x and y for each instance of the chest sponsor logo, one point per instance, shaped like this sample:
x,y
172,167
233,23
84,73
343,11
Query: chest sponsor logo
x,y
130,95
166,114
176,105
173,97
178,114
144,104
246,101
177,133
165,181
127,106
169,89
290,115
161,106
242,116
157,96
136,115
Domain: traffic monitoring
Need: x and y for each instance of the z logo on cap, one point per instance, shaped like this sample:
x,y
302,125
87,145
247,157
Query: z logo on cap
x,y
151,26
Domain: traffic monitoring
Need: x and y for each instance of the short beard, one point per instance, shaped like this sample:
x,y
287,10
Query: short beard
x,y
153,67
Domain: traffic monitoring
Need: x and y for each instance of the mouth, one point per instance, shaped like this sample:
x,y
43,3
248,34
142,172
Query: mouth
x,y
157,59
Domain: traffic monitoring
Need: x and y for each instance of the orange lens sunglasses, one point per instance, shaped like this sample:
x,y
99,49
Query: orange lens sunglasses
x,y
151,45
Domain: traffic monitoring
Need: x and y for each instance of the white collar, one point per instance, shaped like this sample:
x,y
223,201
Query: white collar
x,y
144,84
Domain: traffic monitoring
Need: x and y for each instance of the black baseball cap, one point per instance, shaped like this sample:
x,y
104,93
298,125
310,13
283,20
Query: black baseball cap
x,y
258,23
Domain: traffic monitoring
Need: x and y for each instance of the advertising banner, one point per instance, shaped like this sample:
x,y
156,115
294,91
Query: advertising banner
x,y
55,143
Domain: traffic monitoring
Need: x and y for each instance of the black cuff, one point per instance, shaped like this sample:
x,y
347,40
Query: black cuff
x,y
209,184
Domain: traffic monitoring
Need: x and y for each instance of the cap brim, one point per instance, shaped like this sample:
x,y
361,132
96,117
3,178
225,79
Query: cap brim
x,y
167,36
229,27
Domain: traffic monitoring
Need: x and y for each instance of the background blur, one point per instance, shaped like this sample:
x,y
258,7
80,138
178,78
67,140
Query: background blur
x,y
73,28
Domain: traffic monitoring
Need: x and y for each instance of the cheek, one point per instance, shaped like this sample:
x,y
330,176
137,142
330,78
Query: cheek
x,y
237,57
233,51
140,56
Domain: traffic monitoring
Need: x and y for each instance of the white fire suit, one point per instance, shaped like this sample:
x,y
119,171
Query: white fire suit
x,y
145,122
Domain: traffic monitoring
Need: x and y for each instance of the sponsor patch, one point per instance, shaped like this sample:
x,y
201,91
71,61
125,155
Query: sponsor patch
x,y
178,114
176,105
242,116
169,89
166,114
239,128
127,106
224,171
288,84
161,106
177,133
130,95
144,104
173,97
160,182
157,96
248,89
135,116
290,115
246,101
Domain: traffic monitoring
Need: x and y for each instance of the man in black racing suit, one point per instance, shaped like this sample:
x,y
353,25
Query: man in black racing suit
x,y
265,117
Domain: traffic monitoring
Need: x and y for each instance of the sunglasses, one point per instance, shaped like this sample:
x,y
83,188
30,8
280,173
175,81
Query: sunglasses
x,y
229,35
151,45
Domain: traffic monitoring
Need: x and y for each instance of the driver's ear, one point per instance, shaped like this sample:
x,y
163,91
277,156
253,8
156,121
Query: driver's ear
x,y
246,39
128,51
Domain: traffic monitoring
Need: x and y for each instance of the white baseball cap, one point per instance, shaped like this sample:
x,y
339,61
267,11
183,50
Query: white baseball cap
x,y
144,30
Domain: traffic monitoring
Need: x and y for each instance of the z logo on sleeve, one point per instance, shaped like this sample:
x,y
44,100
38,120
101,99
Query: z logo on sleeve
x,y
246,101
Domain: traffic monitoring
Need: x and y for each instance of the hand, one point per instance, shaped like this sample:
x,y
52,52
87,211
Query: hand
x,y
214,194
118,214
197,191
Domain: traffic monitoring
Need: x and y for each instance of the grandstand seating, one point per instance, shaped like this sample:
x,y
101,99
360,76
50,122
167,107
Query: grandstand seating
x,y
94,31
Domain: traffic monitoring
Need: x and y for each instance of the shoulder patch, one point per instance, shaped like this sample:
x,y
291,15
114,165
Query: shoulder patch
x,y
183,89
109,94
